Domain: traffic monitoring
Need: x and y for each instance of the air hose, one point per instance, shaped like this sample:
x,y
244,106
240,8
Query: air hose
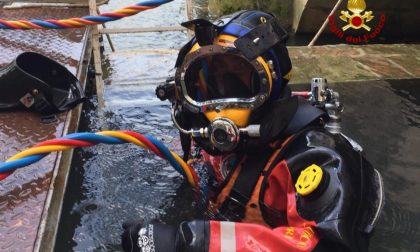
x,y
82,21
75,140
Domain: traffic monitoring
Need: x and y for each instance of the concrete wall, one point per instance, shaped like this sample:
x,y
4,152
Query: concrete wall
x,y
297,11
403,17
281,8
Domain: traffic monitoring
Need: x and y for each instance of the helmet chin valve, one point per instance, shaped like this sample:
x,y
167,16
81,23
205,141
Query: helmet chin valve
x,y
224,135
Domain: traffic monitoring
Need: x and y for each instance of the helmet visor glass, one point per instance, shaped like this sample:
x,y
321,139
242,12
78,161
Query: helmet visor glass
x,y
221,76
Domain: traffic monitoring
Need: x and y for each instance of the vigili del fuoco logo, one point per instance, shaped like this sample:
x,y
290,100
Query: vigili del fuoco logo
x,y
357,25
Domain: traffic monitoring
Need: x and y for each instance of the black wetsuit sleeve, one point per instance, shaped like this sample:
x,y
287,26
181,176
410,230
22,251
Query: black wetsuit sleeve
x,y
190,236
194,236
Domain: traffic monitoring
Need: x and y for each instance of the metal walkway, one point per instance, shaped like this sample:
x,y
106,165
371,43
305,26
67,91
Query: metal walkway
x,y
28,209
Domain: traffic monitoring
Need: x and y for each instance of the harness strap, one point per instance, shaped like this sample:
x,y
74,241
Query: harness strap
x,y
227,187
253,213
236,194
239,200
253,210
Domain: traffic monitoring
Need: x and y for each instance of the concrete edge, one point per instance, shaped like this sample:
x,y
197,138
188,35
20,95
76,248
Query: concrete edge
x,y
353,81
356,46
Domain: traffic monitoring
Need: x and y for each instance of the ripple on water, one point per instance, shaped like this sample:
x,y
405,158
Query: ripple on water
x,y
124,181
397,230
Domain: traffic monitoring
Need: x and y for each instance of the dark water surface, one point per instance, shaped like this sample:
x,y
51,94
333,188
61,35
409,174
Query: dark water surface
x,y
110,184
384,118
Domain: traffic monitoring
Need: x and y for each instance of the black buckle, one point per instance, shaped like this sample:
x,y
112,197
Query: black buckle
x,y
42,105
260,39
233,208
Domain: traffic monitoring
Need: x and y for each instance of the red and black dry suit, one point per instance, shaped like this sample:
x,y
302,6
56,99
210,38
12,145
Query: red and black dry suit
x,y
256,208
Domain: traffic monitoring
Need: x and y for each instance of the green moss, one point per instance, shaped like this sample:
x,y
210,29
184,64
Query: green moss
x,y
280,8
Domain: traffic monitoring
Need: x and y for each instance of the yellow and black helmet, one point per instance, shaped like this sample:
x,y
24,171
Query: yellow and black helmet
x,y
226,73
239,62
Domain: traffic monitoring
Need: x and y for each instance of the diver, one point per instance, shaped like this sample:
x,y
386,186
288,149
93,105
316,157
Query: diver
x,y
282,175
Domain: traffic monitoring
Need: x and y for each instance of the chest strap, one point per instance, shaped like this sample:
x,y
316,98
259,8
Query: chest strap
x,y
234,197
253,212
239,200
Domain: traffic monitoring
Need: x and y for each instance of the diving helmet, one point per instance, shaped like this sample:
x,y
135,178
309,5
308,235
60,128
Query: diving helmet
x,y
229,70
38,83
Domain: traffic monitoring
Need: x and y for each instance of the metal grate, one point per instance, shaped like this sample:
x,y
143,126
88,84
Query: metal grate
x,y
23,194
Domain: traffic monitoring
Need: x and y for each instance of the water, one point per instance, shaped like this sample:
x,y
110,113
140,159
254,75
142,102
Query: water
x,y
384,117
110,184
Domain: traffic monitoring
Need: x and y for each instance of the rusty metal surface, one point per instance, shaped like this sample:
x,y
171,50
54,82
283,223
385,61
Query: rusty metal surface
x,y
63,46
23,194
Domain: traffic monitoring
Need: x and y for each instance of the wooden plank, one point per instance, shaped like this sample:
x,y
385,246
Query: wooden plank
x,y
188,9
189,15
107,35
97,58
146,51
142,30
